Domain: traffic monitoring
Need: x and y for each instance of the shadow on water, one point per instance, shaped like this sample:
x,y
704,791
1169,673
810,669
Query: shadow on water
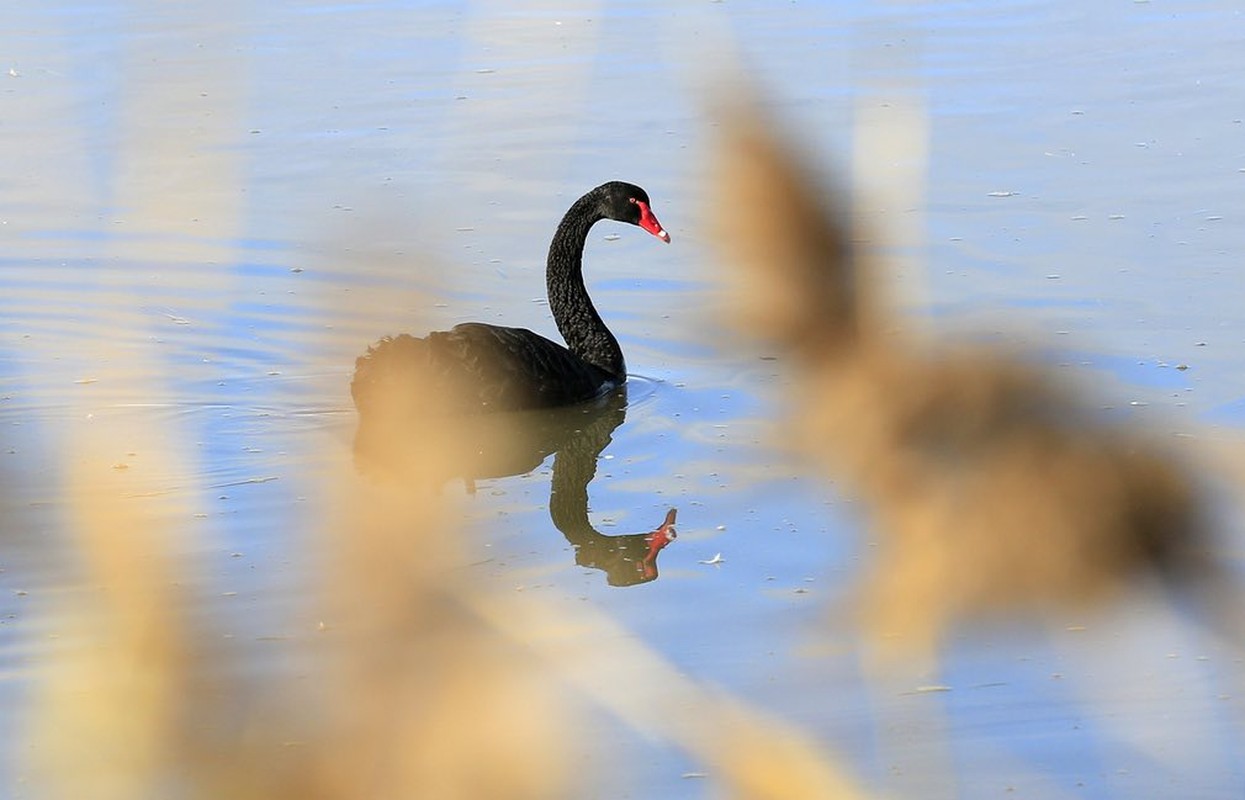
x,y
390,446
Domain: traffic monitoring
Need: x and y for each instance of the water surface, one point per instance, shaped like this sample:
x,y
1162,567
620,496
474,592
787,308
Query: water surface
x,y
207,215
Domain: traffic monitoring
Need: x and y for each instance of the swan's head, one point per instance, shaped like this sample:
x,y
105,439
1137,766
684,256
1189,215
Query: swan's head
x,y
627,202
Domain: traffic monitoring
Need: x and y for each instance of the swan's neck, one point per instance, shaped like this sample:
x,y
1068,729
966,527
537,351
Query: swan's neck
x,y
577,319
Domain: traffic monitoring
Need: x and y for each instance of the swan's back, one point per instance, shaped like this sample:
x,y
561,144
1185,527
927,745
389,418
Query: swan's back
x,y
472,368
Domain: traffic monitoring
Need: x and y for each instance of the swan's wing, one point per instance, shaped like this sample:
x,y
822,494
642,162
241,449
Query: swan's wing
x,y
512,368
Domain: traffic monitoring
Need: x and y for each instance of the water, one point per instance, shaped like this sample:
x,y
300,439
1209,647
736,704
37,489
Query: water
x,y
207,214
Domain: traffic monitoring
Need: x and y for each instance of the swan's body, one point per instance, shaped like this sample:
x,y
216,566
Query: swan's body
x,y
475,367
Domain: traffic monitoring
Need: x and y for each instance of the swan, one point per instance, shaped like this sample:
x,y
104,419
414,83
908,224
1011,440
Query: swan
x,y
475,367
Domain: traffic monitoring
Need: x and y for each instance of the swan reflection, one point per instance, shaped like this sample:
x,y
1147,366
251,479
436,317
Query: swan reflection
x,y
392,444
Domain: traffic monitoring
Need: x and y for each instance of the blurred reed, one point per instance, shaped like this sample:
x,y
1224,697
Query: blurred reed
x,y
995,489
406,693
414,683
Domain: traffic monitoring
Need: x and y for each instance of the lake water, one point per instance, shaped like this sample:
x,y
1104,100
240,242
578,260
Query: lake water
x,y
208,211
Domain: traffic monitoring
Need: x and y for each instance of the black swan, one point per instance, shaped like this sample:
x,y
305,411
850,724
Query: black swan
x,y
475,367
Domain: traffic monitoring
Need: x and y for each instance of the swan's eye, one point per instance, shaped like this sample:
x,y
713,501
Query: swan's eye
x,y
632,200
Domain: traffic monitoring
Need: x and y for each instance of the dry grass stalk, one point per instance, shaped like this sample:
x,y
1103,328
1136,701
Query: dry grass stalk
x,y
424,694
748,754
115,698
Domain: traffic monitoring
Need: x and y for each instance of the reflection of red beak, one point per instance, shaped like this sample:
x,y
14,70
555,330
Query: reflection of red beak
x,y
648,221
664,535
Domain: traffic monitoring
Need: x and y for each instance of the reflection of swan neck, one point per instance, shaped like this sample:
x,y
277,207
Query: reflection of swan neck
x,y
627,559
575,465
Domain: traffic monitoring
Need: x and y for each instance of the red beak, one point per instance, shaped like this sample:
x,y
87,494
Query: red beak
x,y
648,221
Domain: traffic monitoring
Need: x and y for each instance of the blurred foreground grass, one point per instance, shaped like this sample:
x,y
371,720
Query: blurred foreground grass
x,y
996,488
419,684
